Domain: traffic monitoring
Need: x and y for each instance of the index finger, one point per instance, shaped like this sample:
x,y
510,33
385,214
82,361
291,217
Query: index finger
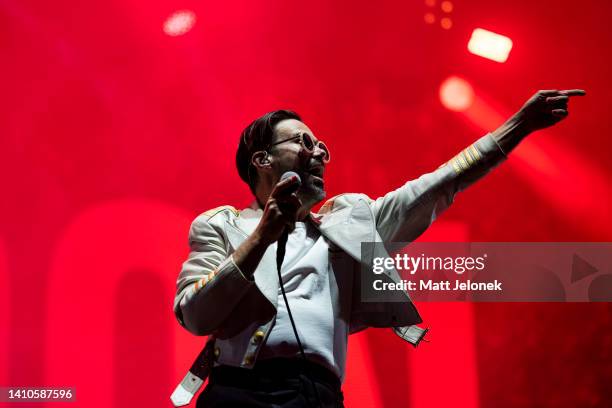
x,y
283,186
573,92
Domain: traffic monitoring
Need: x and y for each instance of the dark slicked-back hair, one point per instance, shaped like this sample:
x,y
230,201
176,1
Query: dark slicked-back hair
x,y
258,136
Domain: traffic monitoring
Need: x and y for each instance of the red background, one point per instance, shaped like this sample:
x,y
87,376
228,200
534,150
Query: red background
x,y
114,136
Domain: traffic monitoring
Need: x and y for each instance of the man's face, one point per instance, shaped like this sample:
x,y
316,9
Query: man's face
x,y
290,156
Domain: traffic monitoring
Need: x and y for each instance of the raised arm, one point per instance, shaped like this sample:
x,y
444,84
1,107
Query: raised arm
x,y
404,214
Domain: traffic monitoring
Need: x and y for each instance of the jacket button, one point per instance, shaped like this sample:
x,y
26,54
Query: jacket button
x,y
258,336
248,360
217,352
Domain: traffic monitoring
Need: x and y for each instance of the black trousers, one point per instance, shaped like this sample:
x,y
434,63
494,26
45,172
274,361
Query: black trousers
x,y
277,382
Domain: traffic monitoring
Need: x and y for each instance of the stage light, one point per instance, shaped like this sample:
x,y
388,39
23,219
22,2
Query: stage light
x,y
446,23
456,94
488,44
179,23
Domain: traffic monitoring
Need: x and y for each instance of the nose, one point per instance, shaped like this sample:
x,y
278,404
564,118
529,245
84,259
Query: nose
x,y
319,153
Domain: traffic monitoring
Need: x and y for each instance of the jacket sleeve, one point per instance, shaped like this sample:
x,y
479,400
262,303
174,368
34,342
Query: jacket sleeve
x,y
404,214
210,285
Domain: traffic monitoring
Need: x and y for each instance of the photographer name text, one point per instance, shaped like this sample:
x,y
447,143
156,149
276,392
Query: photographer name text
x,y
446,285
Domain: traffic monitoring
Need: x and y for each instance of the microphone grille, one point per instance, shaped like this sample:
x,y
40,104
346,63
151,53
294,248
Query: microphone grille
x,y
289,174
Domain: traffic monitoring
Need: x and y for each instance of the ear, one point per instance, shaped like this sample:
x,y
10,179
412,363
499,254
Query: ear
x,y
261,160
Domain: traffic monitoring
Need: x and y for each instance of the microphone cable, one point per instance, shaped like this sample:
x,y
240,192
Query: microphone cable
x,y
280,255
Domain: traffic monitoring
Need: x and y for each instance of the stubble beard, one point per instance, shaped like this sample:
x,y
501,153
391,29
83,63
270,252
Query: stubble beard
x,y
310,194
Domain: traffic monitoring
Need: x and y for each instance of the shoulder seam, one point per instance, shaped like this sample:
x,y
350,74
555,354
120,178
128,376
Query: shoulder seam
x,y
329,204
214,211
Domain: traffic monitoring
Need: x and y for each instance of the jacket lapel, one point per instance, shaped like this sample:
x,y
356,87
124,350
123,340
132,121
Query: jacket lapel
x,y
349,227
265,275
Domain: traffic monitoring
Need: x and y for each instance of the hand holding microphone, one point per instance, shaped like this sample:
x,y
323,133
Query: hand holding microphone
x,y
279,217
281,210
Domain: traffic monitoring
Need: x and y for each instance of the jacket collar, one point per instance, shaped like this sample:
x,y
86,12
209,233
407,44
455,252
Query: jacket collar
x,y
347,227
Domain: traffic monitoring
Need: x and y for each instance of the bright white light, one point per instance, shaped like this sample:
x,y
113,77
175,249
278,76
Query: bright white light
x,y
179,22
456,94
490,45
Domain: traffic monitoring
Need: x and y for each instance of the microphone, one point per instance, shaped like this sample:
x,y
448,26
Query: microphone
x,y
282,241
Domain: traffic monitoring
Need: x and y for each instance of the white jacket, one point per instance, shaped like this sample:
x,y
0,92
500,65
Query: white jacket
x,y
214,298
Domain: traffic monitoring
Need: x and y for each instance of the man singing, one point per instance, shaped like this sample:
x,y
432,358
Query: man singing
x,y
283,343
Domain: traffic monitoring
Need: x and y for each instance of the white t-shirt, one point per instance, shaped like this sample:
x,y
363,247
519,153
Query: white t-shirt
x,y
311,289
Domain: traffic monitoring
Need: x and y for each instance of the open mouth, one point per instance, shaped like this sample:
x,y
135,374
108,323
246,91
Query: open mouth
x,y
316,179
315,175
316,171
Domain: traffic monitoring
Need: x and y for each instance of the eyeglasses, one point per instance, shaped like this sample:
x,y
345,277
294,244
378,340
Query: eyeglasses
x,y
308,144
